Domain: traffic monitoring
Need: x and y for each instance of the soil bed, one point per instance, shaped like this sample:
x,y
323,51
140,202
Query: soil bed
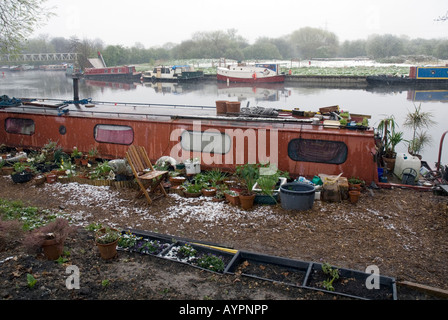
x,y
402,232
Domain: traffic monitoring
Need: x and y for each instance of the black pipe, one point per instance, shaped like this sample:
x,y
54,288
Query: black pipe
x,y
75,88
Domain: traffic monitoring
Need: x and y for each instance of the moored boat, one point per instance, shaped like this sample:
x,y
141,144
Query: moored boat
x,y
173,74
252,73
301,145
432,75
108,73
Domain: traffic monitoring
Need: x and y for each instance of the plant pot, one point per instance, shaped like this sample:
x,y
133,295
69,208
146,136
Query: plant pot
x,y
209,192
7,171
389,163
214,199
233,106
221,107
247,201
177,181
51,178
179,190
353,186
354,196
84,162
39,180
52,249
233,199
192,194
107,250
21,177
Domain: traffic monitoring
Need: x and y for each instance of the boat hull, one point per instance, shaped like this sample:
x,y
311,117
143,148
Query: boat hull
x,y
389,81
273,79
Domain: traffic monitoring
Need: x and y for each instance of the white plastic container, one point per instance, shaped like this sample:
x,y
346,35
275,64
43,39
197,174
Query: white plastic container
x,y
404,161
192,166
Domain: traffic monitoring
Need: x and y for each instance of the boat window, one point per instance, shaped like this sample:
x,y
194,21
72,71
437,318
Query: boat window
x,y
205,141
323,151
20,126
114,134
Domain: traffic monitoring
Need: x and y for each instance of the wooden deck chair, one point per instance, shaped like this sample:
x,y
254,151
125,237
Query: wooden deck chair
x,y
149,179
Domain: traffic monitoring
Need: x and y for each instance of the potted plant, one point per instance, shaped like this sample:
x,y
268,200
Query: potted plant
x,y
390,139
417,121
50,238
92,154
192,190
106,239
176,179
76,155
248,174
232,196
355,183
209,191
23,172
220,193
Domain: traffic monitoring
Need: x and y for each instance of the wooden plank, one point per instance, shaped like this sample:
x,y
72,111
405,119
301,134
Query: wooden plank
x,y
424,288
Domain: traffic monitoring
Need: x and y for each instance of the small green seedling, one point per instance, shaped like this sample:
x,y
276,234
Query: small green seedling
x,y
332,273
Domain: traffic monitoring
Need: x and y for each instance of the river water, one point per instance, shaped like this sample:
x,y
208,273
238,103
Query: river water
x,y
374,102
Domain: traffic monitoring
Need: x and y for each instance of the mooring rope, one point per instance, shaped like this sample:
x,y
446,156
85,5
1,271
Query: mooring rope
x,y
82,101
5,101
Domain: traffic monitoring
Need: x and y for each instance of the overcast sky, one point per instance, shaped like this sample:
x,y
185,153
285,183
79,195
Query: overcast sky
x,y
156,22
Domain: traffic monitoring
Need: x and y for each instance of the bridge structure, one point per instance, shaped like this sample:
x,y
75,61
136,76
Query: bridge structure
x,y
38,57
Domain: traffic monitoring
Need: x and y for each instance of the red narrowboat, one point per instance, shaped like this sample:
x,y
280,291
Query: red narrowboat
x,y
301,146
112,73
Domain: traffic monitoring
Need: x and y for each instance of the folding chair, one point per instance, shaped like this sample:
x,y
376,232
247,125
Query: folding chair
x,y
149,179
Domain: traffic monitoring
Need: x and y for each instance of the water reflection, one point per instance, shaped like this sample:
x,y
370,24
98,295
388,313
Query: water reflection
x,y
378,102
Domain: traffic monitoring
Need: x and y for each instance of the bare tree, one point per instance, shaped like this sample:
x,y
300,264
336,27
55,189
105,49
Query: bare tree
x,y
17,21
442,18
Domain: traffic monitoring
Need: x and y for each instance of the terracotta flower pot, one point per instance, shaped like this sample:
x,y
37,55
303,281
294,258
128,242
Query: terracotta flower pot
x,y
51,178
177,181
107,250
354,196
192,194
221,107
247,201
52,249
233,106
234,200
209,192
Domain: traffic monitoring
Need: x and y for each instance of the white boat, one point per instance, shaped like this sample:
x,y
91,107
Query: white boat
x,y
254,73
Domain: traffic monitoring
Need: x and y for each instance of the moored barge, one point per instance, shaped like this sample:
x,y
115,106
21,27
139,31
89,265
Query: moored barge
x,y
427,75
300,145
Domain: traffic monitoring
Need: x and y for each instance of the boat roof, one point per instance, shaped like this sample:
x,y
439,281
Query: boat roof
x,y
170,112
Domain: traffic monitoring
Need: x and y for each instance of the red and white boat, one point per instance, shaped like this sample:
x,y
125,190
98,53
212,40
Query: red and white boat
x,y
256,73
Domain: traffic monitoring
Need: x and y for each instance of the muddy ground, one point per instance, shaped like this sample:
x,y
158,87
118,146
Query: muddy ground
x,y
403,232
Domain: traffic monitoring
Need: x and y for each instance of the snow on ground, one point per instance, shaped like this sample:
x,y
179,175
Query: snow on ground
x,y
187,210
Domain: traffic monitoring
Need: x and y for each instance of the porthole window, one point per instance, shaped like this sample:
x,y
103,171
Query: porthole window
x,y
62,130
20,126
114,134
